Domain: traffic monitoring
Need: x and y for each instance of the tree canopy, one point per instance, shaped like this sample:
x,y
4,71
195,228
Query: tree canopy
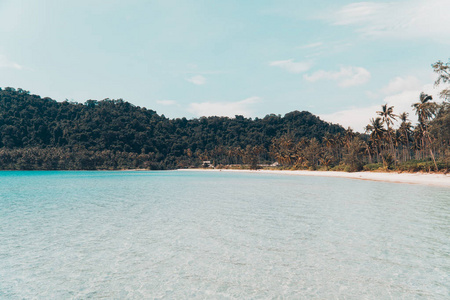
x,y
29,121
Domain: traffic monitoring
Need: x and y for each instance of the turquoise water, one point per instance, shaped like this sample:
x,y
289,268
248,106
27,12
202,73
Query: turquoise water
x,y
217,235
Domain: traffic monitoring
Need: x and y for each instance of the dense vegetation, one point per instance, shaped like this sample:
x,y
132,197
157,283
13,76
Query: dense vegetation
x,y
40,133
424,147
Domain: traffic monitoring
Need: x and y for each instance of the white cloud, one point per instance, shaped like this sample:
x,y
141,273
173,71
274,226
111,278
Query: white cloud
x,y
166,102
226,109
361,12
318,49
356,117
346,76
403,19
291,66
400,84
5,63
401,92
198,80
372,95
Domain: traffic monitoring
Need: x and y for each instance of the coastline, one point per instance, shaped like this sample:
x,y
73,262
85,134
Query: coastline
x,y
431,179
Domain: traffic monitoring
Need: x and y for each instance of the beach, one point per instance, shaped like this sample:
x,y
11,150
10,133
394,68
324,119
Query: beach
x,y
432,179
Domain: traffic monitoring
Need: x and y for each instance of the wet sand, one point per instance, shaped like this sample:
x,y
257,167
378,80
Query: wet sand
x,y
433,179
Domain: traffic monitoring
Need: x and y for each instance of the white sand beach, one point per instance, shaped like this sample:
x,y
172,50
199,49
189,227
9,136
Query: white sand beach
x,y
432,179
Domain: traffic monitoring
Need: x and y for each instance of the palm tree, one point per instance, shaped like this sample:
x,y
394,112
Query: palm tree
x,y
377,132
443,70
312,152
349,135
388,117
425,110
326,160
283,149
418,139
405,131
300,158
368,149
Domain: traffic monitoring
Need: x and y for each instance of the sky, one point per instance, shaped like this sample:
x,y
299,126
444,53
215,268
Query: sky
x,y
338,59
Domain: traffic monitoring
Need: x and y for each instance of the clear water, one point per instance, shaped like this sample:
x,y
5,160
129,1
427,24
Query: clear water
x,y
197,235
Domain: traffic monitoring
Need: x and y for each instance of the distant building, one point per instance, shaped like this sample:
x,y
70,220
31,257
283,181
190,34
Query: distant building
x,y
206,164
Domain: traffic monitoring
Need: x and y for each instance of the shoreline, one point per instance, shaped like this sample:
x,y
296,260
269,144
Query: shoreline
x,y
431,179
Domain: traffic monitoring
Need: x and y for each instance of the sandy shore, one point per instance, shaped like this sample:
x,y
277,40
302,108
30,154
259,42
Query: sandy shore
x,y
411,178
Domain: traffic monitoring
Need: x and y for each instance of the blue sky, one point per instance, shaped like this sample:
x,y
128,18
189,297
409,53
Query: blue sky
x,y
338,59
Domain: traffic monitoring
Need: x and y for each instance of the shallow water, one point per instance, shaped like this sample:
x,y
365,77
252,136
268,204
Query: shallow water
x,y
220,235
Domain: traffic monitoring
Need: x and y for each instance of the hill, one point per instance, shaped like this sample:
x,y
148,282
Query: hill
x,y
41,133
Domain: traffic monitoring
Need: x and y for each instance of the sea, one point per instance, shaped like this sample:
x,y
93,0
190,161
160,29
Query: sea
x,y
220,235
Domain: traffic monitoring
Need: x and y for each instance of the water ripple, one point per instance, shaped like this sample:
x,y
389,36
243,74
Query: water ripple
x,y
199,235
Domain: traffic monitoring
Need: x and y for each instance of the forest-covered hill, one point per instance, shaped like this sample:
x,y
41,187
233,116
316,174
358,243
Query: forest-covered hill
x,y
41,133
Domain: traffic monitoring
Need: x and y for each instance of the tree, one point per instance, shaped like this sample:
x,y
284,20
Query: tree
x,y
353,157
425,110
405,132
377,132
440,130
443,70
388,117
312,153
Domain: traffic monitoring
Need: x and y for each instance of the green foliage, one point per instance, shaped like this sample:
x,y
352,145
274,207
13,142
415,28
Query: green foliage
x,y
31,122
373,167
443,71
420,166
354,155
388,161
75,159
340,168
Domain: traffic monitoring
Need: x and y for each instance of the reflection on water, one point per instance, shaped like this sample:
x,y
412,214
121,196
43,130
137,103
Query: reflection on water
x,y
220,235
